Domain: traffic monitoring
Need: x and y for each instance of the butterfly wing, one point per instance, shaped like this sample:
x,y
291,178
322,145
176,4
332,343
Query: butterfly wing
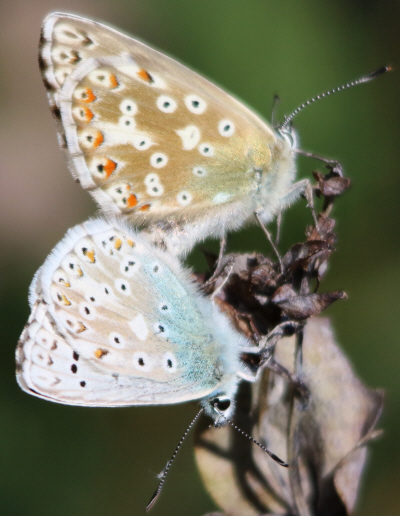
x,y
148,137
117,322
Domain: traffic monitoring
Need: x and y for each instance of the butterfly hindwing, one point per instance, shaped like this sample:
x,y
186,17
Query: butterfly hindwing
x,y
117,322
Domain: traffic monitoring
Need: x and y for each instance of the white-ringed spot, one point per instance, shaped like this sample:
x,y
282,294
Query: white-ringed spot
x,y
190,136
166,104
128,107
87,311
103,78
195,104
122,286
116,340
151,179
142,142
127,122
206,149
169,362
92,299
155,190
158,160
184,198
129,266
141,361
83,113
226,128
199,171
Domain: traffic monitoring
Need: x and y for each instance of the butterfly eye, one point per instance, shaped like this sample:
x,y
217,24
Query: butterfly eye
x,y
221,403
166,104
195,104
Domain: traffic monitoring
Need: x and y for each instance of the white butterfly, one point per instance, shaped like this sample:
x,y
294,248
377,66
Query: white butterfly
x,y
115,321
154,141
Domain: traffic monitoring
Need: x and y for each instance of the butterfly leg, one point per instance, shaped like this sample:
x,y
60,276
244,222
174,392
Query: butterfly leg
x,y
218,266
268,235
301,188
334,166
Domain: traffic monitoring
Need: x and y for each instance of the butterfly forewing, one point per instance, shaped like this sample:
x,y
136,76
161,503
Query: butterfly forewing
x,y
147,136
117,322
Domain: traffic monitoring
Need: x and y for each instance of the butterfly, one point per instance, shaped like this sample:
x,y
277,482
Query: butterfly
x,y
117,322
154,141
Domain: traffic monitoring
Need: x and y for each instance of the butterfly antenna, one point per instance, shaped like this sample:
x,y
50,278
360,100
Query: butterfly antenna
x,y
272,455
164,472
274,106
365,78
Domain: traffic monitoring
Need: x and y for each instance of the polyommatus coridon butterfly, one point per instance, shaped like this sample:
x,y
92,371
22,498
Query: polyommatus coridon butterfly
x,y
116,321
153,140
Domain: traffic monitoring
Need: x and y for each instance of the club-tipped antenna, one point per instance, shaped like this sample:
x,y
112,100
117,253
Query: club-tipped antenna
x,y
365,78
272,455
164,472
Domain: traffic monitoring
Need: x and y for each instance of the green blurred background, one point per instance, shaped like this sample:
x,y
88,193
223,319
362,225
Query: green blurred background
x,y
59,460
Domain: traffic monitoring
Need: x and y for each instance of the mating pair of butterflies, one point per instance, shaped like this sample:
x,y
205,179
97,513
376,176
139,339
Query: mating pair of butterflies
x,y
116,320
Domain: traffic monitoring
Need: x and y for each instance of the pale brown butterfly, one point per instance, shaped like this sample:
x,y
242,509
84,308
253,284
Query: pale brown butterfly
x,y
154,141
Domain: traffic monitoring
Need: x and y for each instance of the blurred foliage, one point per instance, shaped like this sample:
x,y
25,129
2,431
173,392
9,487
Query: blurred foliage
x,y
59,460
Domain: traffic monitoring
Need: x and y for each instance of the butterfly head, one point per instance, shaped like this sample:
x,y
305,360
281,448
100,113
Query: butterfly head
x,y
220,408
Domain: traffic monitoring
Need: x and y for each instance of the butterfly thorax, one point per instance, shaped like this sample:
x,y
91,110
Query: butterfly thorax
x,y
275,179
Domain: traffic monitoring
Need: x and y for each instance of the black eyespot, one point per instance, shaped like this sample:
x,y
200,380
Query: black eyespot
x,y
82,384
75,355
161,328
87,311
206,149
100,168
74,368
184,197
166,104
142,143
118,190
159,160
127,122
116,339
123,287
71,265
195,103
106,290
155,269
222,405
169,363
155,189
164,307
141,362
128,107
92,299
227,127
89,138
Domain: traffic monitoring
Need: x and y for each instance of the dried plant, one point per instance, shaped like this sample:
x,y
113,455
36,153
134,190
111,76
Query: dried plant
x,y
307,405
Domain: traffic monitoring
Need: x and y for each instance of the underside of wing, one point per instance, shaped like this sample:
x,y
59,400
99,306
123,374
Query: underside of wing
x,y
116,322
146,135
